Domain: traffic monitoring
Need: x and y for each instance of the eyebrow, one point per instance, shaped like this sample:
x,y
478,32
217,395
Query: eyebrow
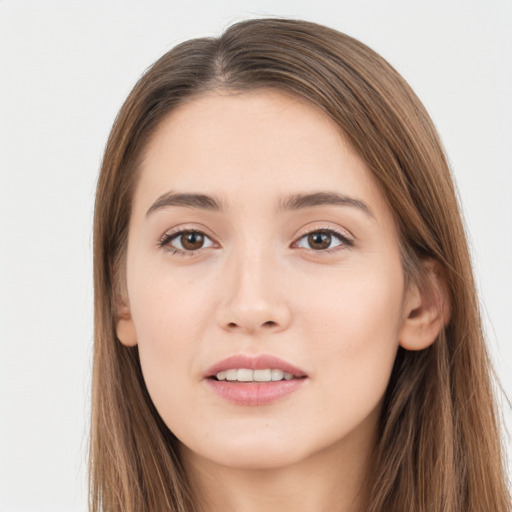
x,y
293,202
300,201
195,201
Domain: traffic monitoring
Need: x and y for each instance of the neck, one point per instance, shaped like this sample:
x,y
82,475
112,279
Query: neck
x,y
331,480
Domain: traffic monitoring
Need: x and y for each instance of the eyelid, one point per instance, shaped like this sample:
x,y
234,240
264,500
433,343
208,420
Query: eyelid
x,y
346,238
170,234
313,227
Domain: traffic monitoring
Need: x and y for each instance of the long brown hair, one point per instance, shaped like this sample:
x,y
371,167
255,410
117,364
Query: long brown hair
x,y
439,444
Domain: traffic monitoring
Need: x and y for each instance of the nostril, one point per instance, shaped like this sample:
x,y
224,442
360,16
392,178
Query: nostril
x,y
250,326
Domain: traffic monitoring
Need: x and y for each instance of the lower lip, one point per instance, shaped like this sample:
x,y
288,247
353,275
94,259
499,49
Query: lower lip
x,y
254,393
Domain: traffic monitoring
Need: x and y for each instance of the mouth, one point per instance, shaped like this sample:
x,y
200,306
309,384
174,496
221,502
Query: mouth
x,y
250,381
248,375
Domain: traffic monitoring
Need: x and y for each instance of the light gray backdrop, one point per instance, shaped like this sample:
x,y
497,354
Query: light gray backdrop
x,y
66,67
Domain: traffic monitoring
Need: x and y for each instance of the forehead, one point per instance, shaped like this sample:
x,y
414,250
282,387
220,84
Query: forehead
x,y
260,144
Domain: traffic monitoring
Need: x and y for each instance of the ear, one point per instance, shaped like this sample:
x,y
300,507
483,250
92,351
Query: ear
x,y
426,308
125,328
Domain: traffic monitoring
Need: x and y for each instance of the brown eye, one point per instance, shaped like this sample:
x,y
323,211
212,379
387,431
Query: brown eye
x,y
186,241
192,241
319,241
323,240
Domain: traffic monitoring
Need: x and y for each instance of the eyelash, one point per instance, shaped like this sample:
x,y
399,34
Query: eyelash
x,y
166,240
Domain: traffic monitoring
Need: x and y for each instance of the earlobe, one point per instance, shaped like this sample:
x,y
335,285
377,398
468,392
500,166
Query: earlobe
x,y
426,309
125,328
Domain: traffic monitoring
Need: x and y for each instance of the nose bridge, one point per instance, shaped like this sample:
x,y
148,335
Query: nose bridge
x,y
253,297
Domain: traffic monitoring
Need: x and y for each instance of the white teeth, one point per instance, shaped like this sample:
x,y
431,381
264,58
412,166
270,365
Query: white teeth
x,y
277,375
231,374
247,375
262,375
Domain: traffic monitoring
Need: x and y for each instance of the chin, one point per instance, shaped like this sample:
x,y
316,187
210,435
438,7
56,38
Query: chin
x,y
255,459
251,452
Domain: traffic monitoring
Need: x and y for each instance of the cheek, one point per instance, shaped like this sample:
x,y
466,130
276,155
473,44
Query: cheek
x,y
356,337
168,307
169,314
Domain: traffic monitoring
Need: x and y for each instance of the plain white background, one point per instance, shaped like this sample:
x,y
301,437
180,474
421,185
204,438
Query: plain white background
x,y
65,69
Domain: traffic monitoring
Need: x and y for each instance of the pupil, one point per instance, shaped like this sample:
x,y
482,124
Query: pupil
x,y
319,240
192,241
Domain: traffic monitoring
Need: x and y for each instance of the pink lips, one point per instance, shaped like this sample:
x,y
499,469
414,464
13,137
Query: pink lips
x,y
254,393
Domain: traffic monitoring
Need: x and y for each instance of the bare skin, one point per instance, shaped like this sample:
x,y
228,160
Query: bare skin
x,y
317,483
252,270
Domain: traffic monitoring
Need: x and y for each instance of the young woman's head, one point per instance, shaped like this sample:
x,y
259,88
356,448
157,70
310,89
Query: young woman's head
x,y
281,275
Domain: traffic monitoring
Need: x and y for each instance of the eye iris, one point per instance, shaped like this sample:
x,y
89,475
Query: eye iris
x,y
191,241
319,240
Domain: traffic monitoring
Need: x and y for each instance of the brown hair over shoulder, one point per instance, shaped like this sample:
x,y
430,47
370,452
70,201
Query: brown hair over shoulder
x,y
439,445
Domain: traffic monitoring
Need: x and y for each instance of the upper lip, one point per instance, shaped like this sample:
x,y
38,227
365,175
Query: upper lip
x,y
261,362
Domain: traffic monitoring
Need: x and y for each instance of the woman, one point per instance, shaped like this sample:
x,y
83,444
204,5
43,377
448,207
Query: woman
x,y
285,313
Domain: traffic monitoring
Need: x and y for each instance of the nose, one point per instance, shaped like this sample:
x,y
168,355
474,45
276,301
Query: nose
x,y
253,296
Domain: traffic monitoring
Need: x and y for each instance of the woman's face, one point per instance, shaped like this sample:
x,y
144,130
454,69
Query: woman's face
x,y
259,240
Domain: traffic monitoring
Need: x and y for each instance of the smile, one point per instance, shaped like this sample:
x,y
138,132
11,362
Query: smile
x,y
248,375
254,380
